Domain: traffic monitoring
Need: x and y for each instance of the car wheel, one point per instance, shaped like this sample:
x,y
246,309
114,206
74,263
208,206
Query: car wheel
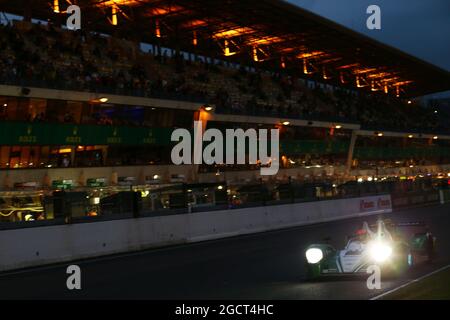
x,y
405,261
314,271
411,260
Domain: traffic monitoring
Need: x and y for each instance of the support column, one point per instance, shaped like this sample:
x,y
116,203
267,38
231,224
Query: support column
x,y
350,151
72,155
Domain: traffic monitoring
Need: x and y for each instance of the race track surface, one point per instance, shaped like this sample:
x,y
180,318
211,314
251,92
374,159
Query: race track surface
x,y
261,266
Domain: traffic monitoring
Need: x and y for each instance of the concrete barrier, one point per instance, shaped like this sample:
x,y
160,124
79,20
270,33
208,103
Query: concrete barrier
x,y
444,196
27,247
414,198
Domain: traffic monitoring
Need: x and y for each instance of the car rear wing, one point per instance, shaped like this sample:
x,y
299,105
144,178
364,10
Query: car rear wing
x,y
410,224
402,224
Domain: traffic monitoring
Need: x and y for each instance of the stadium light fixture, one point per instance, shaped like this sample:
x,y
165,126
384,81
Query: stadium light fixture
x,y
410,136
264,40
338,126
119,2
226,50
161,10
255,54
310,54
192,24
305,67
207,108
259,54
194,38
99,100
157,29
56,6
364,70
435,137
324,74
114,15
341,77
233,32
379,134
285,123
373,86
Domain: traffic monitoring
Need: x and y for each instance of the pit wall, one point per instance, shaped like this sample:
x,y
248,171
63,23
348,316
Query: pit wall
x,y
411,199
20,248
444,196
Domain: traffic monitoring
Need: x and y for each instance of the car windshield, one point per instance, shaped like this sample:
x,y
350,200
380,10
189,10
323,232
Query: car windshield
x,y
355,246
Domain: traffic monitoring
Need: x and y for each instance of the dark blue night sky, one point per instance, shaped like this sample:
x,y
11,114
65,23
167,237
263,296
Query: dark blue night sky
x,y
418,27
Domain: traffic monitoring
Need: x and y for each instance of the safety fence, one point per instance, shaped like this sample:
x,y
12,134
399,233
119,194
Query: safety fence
x,y
97,202
125,224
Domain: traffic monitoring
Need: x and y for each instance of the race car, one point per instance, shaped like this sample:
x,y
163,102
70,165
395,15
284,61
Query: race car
x,y
395,248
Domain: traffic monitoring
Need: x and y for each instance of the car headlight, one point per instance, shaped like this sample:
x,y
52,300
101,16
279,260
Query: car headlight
x,y
314,255
380,252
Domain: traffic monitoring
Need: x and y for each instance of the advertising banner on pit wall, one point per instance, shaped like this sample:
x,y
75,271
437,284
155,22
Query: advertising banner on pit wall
x,y
372,204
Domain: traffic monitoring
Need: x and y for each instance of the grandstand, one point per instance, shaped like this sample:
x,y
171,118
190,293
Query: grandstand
x,y
94,108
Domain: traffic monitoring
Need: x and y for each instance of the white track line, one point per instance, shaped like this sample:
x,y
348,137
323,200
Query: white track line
x,y
410,282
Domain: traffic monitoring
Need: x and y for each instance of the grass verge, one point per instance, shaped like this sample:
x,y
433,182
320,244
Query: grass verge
x,y
434,287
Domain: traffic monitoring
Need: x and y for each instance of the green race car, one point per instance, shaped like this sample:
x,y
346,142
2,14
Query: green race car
x,y
395,248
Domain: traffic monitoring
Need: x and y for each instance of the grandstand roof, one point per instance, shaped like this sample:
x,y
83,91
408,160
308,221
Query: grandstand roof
x,y
268,33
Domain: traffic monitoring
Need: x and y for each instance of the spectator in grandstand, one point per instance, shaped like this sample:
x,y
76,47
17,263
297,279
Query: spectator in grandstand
x,y
41,55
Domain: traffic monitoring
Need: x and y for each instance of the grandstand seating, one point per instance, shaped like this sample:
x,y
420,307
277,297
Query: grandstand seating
x,y
44,56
